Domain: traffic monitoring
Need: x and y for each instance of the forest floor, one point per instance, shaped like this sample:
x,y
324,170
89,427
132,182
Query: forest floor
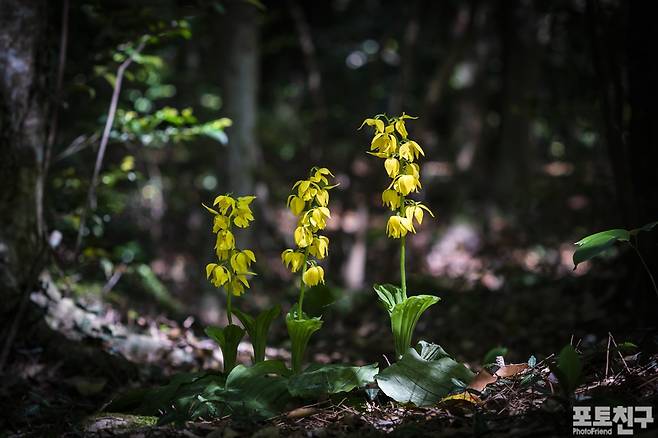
x,y
65,393
60,381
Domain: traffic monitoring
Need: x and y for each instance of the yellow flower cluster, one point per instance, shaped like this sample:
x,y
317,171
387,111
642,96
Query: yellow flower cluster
x,y
232,265
391,143
309,202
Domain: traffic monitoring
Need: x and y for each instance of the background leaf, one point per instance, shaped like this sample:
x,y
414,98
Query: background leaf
x,y
595,244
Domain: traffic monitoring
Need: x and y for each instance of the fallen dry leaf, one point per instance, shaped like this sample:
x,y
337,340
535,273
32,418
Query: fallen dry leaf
x,y
301,412
462,396
511,369
482,379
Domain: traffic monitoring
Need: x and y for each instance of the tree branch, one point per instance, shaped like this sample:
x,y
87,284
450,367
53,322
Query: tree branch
x,y
91,195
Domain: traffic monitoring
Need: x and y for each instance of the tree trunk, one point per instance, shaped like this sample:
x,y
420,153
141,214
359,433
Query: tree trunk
x,y
240,89
520,75
643,145
22,142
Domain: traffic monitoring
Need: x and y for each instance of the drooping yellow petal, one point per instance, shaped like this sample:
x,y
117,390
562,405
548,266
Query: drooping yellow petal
x,y
224,202
297,205
313,276
378,124
320,247
406,184
225,240
322,196
392,167
399,126
209,268
391,198
303,237
220,223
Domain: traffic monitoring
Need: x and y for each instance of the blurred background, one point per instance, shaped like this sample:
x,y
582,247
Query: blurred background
x,y
535,118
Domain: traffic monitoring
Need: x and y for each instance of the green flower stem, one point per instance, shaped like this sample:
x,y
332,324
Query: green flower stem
x,y
403,241
229,311
302,286
403,274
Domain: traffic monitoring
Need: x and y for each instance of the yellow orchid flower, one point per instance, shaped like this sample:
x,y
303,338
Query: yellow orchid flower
x,y
410,150
415,211
224,202
220,275
399,226
384,143
292,260
317,217
320,175
377,123
392,166
237,285
242,260
225,240
296,204
391,198
242,216
406,184
399,126
313,276
320,247
303,236
220,222
322,197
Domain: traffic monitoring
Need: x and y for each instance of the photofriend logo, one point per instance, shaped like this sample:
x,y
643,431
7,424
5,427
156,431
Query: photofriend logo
x,y
611,421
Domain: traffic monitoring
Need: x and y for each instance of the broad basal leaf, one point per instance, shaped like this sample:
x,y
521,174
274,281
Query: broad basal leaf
x,y
319,380
258,328
228,339
404,317
300,331
422,382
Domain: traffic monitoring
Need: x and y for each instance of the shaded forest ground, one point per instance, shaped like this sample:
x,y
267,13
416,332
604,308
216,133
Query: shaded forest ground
x,y
63,388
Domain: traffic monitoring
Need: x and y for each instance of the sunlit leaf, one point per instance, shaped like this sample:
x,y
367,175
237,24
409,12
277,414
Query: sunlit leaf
x,y
595,244
421,382
405,316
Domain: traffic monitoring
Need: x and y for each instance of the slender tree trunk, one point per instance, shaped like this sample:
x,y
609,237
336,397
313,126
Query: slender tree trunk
x,y
520,75
22,144
240,88
643,144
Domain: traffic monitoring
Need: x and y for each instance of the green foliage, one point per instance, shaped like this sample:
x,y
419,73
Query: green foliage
x,y
389,295
319,380
300,331
257,392
568,369
404,313
593,245
165,126
228,339
258,328
423,376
